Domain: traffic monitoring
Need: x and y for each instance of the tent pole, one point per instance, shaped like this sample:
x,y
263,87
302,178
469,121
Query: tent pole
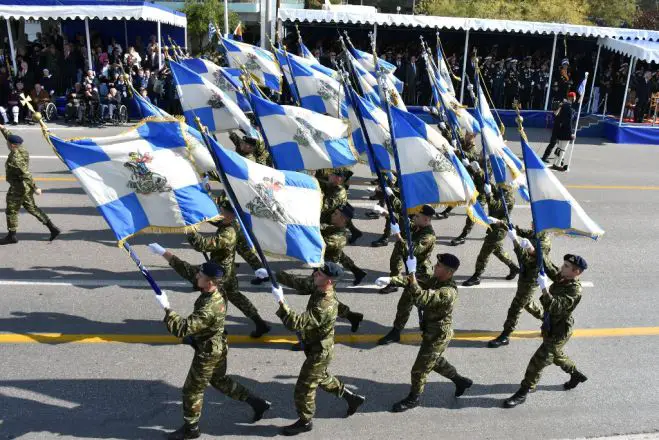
x,y
226,18
464,66
125,34
89,45
624,99
11,45
551,71
160,54
592,87
185,36
262,14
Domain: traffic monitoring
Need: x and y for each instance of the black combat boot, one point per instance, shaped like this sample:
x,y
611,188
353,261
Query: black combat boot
x,y
444,214
359,276
297,428
355,234
185,432
388,289
516,399
355,319
474,280
54,230
382,241
411,401
261,328
460,239
461,384
260,406
354,401
575,379
392,336
296,347
514,270
10,238
500,340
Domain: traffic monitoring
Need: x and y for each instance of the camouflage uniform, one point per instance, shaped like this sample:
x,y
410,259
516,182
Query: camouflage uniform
x,y
556,328
336,239
316,327
479,182
21,186
493,243
333,197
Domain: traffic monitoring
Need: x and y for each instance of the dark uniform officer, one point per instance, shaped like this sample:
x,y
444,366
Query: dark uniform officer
x,y
558,302
436,296
511,84
541,80
526,83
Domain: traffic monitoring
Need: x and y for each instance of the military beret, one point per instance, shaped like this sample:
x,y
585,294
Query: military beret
x,y
225,204
14,139
347,210
340,172
449,260
332,270
212,269
576,260
427,210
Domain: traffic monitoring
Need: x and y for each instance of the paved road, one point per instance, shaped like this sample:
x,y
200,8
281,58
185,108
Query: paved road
x,y
85,354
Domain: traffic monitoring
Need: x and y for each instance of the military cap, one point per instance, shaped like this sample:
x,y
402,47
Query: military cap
x,y
449,260
332,270
347,210
340,172
427,210
212,269
576,260
225,204
14,139
249,138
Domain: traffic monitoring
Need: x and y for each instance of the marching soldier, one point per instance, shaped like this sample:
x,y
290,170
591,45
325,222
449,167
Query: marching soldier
x,y
335,195
558,302
222,247
316,327
250,147
21,189
436,296
204,329
393,193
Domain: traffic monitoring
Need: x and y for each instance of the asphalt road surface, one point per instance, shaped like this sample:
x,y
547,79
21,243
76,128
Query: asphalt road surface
x,y
84,352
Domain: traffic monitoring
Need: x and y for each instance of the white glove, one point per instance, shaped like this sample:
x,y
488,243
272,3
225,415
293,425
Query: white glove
x,y
388,191
493,220
454,143
379,209
411,265
261,273
465,162
525,243
543,281
157,249
383,281
442,125
37,191
163,300
512,234
277,293
475,165
395,229
488,189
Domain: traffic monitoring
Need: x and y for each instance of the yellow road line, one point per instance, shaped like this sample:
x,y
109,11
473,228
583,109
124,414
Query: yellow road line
x,y
59,338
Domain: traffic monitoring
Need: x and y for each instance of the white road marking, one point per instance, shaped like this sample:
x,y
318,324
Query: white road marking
x,y
43,399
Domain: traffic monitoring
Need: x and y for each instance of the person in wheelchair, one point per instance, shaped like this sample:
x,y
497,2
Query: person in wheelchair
x,y
40,98
113,103
93,102
75,106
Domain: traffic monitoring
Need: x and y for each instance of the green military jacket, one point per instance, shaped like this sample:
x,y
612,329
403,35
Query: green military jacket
x,y
316,324
333,197
222,247
496,207
336,239
529,269
565,297
17,168
436,299
423,240
185,270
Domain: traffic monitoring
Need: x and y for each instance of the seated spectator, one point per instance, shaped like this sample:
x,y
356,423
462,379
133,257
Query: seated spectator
x,y
120,85
40,98
93,103
131,57
75,105
48,82
144,95
23,110
24,75
113,101
12,105
89,78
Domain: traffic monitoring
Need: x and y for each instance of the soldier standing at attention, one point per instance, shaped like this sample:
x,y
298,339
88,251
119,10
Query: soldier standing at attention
x,y
436,296
316,327
559,302
21,188
204,328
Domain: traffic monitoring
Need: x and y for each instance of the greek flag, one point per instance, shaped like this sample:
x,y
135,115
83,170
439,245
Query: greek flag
x,y
282,208
444,76
212,30
430,173
219,76
143,180
552,206
301,139
238,32
377,127
456,113
260,63
282,58
581,90
200,98
318,92
306,53
366,60
370,87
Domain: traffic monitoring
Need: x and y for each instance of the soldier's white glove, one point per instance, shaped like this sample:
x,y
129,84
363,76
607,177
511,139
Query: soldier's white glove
x,y
512,234
475,165
277,293
488,189
37,191
465,162
261,273
157,249
388,191
525,243
454,143
395,229
543,281
493,220
411,265
379,209
442,125
163,300
383,281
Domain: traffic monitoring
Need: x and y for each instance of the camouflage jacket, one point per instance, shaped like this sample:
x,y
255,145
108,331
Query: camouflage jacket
x,y
336,239
247,252
333,197
222,247
316,324
185,270
496,207
477,176
423,241
529,263
17,168
565,297
436,299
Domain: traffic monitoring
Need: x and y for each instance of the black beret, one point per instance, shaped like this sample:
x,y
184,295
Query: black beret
x,y
347,210
212,269
449,260
427,210
576,260
14,139
225,204
341,172
332,270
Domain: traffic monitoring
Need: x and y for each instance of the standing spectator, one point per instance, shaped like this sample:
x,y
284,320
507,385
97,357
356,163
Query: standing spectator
x,y
69,64
48,82
132,58
400,67
564,79
499,85
410,81
541,83
644,89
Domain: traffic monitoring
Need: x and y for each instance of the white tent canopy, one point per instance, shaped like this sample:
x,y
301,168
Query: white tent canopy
x,y
643,50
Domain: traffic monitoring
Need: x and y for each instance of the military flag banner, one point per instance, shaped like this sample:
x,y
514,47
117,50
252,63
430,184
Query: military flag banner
x,y
366,60
260,63
221,77
318,92
377,127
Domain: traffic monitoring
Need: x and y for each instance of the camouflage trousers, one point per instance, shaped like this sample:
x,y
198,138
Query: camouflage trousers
x,y
16,199
469,223
208,368
405,305
348,263
239,300
396,265
550,352
493,244
522,300
430,359
314,374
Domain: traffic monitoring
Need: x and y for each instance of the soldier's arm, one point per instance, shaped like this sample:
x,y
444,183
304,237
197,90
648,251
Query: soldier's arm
x,y
247,252
558,305
425,245
302,284
299,321
21,163
424,297
552,271
525,233
5,132
185,270
207,244
194,323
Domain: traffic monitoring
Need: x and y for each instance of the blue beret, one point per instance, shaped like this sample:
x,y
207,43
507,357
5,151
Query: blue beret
x,y
347,210
14,139
449,260
427,210
211,269
576,260
332,270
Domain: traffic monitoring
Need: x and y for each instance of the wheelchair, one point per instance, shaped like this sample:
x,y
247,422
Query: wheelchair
x,y
119,115
49,112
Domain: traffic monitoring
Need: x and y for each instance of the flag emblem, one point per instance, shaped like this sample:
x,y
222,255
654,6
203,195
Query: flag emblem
x,y
142,179
265,204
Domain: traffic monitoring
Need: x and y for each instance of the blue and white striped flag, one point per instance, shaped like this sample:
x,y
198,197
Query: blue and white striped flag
x,y
457,114
260,63
318,92
377,127
305,52
212,30
219,76
370,87
444,75
282,58
282,208
301,139
552,206
200,98
143,180
366,60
